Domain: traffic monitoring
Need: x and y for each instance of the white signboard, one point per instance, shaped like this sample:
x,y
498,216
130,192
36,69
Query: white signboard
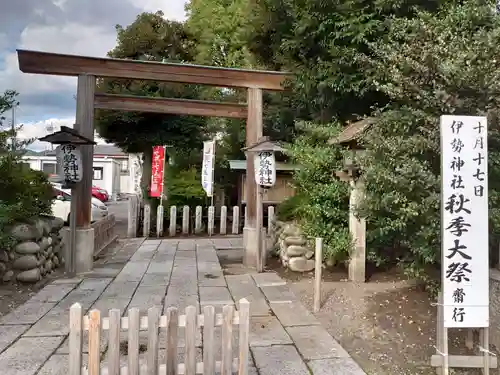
x,y
265,168
464,221
207,171
69,160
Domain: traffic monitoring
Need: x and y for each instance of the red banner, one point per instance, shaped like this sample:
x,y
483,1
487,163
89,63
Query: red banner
x,y
157,171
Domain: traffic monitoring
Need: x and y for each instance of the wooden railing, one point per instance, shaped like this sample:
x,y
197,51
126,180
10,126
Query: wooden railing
x,y
153,323
104,233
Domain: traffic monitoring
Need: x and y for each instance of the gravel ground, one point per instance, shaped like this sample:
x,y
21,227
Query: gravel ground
x,y
388,325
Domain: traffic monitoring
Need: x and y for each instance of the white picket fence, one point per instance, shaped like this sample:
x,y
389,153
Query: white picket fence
x,y
201,224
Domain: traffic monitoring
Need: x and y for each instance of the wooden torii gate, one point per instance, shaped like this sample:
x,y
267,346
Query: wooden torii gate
x,y
87,69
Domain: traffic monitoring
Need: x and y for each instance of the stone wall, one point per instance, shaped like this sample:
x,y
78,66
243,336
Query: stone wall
x,y
38,251
294,250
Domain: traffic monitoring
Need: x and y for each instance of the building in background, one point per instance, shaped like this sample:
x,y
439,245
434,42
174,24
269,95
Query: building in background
x,y
111,168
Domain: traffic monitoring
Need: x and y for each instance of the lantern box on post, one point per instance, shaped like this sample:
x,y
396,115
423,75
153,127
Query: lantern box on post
x,y
352,174
265,177
68,154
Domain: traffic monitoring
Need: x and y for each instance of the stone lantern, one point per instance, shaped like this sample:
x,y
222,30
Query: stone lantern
x,y
352,173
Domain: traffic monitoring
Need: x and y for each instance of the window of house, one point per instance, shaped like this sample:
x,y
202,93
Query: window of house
x,y
49,168
98,173
124,165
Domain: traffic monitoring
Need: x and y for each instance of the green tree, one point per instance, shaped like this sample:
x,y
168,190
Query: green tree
x,y
24,193
434,64
152,38
320,42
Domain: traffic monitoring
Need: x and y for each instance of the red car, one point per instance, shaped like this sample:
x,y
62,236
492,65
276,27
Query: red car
x,y
100,194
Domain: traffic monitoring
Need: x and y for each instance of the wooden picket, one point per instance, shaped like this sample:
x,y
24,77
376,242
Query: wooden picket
x,y
200,225
153,323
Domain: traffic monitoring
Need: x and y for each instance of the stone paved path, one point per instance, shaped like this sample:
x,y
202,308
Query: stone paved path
x,y
285,338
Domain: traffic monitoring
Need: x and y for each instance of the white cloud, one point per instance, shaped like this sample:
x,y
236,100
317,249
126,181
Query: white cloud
x,y
42,128
82,27
173,9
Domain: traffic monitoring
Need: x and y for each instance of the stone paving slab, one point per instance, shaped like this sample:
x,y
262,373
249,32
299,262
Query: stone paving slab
x,y
279,359
120,290
215,279
9,334
73,280
161,268
293,314
314,342
95,284
28,313
267,331
268,279
54,323
181,302
216,295
52,293
58,364
335,366
16,361
243,286
85,297
133,271
278,294
152,279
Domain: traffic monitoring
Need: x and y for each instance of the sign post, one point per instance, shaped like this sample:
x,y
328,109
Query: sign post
x,y
464,237
70,166
265,177
207,172
157,172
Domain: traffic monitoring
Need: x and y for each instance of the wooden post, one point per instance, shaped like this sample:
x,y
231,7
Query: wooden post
x,y
357,227
173,221
85,126
485,342
318,254
236,220
146,227
253,134
159,221
197,219
223,219
133,202
185,220
81,250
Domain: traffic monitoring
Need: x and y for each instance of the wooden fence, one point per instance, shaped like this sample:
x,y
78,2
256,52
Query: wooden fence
x,y
104,233
204,220
153,323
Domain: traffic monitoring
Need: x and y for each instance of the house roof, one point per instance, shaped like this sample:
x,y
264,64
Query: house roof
x,y
104,150
241,165
353,132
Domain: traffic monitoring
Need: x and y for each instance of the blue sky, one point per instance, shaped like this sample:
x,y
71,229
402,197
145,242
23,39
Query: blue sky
x,y
84,27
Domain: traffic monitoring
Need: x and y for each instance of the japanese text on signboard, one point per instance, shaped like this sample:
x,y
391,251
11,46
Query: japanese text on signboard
x,y
464,224
70,162
157,167
265,168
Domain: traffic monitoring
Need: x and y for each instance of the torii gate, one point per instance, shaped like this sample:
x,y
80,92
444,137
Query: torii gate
x,y
87,69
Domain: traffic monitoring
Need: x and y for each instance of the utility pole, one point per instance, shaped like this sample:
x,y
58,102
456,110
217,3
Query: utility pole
x,y
13,123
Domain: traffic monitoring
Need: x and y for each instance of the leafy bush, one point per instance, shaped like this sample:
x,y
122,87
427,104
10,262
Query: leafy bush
x,y
184,188
322,200
289,209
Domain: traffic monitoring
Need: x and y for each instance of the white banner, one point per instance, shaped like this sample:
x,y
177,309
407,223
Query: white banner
x,y
464,221
265,168
207,171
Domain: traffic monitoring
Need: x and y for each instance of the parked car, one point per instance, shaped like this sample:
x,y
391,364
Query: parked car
x,y
100,194
61,207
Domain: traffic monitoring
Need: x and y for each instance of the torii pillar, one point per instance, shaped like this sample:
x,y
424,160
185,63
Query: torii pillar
x,y
254,130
